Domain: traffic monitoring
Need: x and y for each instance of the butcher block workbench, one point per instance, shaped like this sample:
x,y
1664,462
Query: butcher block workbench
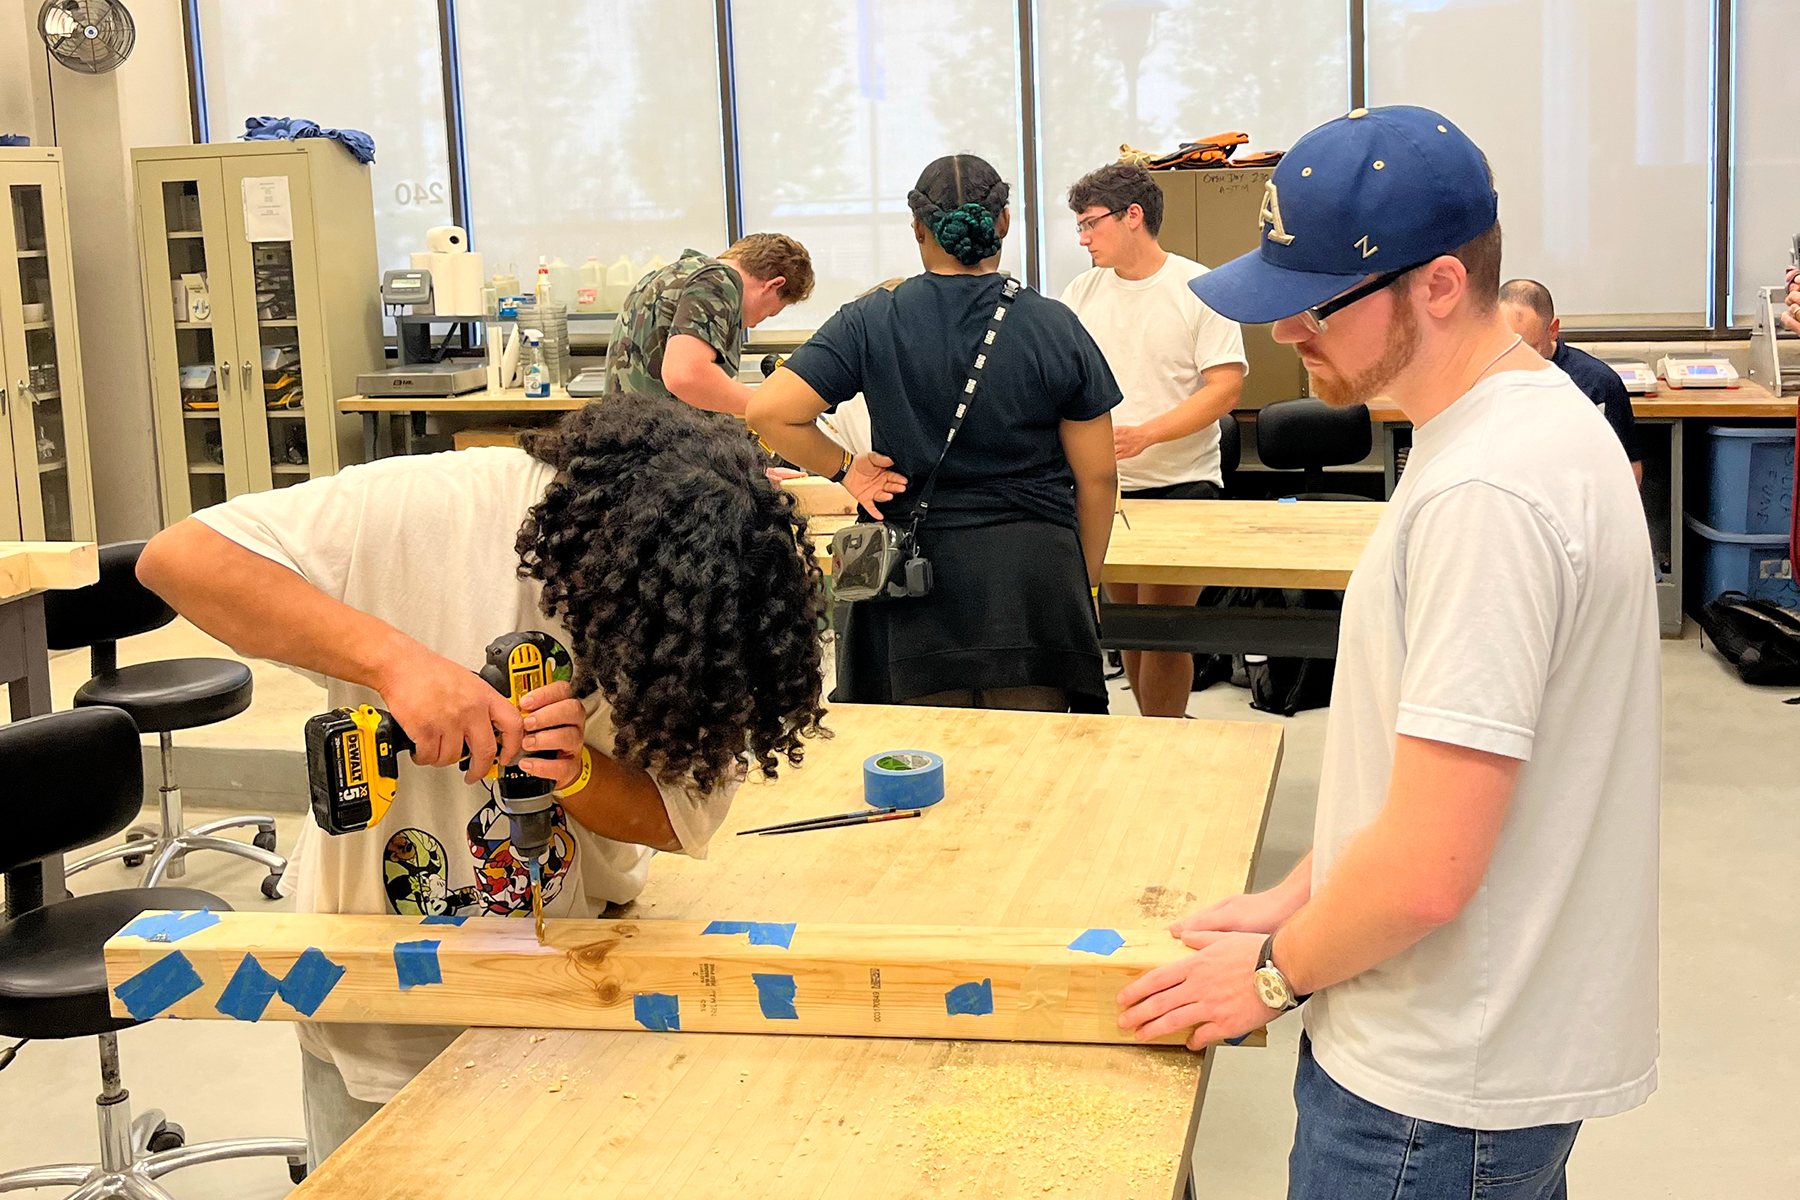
x,y
1049,819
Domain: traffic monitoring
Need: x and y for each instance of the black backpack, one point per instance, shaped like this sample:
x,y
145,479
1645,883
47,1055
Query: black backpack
x,y
1760,639
1283,686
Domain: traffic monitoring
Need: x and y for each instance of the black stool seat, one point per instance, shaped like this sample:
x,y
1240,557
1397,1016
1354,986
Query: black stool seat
x,y
53,966
175,693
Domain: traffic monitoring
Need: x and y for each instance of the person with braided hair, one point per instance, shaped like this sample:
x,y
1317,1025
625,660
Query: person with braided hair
x,y
642,536
1023,502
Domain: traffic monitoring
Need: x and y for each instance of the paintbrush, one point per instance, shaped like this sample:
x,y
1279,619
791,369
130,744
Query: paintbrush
x,y
850,819
802,822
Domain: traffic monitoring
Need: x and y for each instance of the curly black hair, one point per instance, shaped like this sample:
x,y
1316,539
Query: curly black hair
x,y
687,584
959,198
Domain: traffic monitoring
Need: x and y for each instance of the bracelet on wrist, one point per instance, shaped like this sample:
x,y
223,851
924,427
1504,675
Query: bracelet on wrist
x,y
581,780
844,470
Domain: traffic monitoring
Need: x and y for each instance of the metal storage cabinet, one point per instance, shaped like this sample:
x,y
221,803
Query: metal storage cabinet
x,y
1210,217
247,371
41,410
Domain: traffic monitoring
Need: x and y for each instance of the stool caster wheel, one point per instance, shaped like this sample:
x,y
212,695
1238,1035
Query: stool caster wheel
x,y
271,886
168,1136
134,861
297,1169
264,840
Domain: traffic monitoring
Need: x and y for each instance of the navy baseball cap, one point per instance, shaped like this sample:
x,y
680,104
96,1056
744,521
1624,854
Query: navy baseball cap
x,y
1378,190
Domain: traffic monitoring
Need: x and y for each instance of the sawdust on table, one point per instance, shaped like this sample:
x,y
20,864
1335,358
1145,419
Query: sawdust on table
x,y
1075,1135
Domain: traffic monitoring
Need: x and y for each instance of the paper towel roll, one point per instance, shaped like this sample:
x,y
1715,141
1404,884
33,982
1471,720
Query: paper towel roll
x,y
465,272
456,281
446,239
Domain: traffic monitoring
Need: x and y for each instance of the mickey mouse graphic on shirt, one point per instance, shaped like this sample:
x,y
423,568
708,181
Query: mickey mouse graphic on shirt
x,y
415,868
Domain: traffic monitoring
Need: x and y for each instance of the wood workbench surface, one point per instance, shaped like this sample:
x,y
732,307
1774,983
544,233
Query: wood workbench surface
x,y
1048,820
1205,543
1744,401
27,567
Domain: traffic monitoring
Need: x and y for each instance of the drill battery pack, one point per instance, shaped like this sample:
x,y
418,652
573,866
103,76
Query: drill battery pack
x,y
352,766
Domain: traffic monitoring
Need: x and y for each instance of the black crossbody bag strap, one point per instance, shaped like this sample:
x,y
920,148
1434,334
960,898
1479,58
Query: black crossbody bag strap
x,y
1009,291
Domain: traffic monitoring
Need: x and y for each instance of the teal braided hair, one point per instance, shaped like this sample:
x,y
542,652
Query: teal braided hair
x,y
967,232
959,198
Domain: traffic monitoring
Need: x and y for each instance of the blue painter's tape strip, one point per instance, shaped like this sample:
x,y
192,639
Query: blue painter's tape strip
x,y
248,994
416,963
775,993
970,999
169,926
309,981
1098,941
762,933
159,986
443,919
920,786
1237,1041
657,1012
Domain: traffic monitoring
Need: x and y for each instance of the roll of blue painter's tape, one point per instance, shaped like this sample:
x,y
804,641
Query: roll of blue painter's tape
x,y
903,779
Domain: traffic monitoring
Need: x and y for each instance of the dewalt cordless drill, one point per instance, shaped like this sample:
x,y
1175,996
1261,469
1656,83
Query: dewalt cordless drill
x,y
352,756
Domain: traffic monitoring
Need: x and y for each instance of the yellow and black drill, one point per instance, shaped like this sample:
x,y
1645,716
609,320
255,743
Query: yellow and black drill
x,y
352,758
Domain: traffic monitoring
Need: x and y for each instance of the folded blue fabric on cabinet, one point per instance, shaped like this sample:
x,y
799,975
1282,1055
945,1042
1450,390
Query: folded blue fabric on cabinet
x,y
286,129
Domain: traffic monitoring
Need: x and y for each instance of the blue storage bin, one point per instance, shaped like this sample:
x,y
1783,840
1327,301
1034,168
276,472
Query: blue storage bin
x,y
1750,479
1754,563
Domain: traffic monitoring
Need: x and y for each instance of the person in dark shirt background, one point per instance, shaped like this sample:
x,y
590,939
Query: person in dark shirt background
x,y
1527,307
1023,506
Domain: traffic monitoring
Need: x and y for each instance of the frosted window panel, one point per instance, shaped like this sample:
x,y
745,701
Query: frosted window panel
x,y
1154,74
1766,178
868,92
285,58
1596,116
591,129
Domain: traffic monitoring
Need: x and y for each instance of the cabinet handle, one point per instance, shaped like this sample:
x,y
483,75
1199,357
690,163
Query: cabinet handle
x,y
246,375
225,375
2,399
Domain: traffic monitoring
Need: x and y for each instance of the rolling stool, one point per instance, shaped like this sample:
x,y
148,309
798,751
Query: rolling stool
x,y
162,696
1310,435
52,964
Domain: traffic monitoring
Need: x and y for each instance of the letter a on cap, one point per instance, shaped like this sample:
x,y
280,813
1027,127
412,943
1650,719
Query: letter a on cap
x,y
1270,215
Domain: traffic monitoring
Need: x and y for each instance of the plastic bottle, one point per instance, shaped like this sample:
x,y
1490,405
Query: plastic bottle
x,y
537,375
507,284
590,286
562,283
618,284
543,294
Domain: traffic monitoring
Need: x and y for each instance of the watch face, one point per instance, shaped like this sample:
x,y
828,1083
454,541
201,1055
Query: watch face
x,y
1273,990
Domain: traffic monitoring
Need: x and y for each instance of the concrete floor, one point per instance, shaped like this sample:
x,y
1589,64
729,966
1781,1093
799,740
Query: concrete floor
x,y
1721,1126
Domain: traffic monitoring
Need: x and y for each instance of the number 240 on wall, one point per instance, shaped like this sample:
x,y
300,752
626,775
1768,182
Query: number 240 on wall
x,y
419,193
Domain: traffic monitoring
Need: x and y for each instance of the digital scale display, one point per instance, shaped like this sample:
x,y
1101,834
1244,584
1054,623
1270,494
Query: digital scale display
x,y
1702,369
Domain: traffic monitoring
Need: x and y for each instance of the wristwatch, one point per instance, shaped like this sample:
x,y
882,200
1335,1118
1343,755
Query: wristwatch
x,y
844,470
1272,987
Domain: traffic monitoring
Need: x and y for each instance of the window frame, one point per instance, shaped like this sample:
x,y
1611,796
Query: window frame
x,y
1032,223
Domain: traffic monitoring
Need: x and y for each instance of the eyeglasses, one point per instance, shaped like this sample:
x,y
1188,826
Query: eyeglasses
x,y
1086,225
1314,317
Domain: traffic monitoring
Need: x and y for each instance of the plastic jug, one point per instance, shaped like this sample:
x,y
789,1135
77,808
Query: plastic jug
x,y
562,283
590,285
618,284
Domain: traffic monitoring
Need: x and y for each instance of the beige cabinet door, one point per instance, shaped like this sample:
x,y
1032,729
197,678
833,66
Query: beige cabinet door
x,y
280,328
10,529
188,294
44,413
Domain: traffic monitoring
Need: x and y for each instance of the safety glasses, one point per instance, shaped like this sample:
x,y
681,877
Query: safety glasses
x,y
1314,318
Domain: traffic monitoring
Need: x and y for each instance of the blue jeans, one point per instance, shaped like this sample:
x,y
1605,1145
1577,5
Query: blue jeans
x,y
1348,1149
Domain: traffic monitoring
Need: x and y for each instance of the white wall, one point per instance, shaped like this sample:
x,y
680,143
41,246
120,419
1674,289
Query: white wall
x,y
97,120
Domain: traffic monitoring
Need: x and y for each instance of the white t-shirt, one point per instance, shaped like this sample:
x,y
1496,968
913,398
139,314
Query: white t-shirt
x,y
426,543
1157,338
1506,603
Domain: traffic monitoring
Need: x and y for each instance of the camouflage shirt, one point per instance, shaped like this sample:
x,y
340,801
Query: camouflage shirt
x,y
696,295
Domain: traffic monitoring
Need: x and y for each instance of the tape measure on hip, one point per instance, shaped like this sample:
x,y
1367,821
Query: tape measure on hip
x,y
903,779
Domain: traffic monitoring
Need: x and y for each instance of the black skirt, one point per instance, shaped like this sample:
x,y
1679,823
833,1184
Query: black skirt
x,y
1009,607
